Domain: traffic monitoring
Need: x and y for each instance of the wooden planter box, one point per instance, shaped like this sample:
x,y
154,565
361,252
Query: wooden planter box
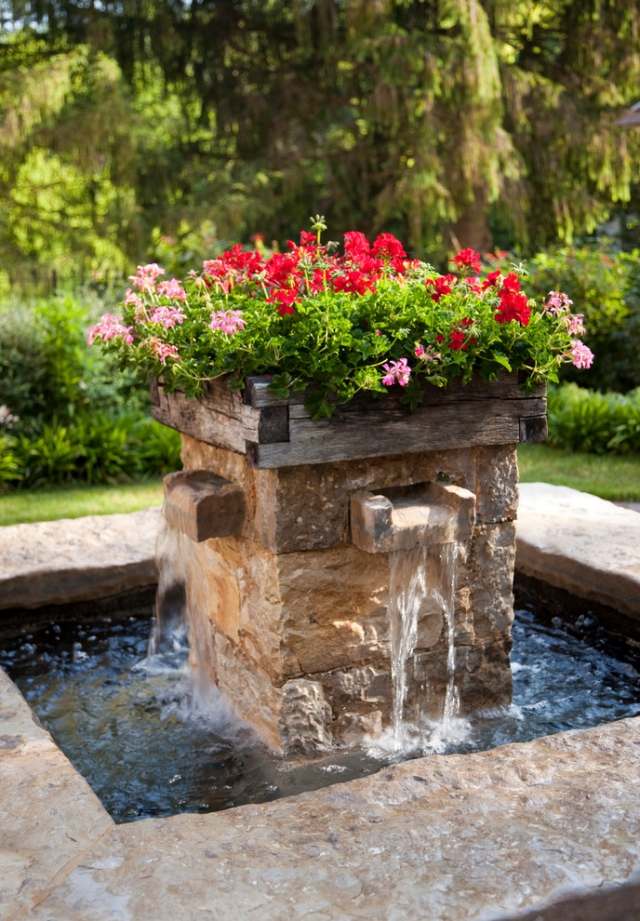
x,y
275,432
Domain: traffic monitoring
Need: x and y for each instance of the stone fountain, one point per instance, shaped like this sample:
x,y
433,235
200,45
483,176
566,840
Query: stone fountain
x,y
347,575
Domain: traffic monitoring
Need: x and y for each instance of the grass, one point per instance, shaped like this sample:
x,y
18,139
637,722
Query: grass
x,y
77,500
607,476
616,478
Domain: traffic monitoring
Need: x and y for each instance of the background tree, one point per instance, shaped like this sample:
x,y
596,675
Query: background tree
x,y
129,126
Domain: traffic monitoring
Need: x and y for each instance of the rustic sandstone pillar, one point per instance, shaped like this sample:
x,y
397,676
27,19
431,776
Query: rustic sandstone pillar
x,y
300,615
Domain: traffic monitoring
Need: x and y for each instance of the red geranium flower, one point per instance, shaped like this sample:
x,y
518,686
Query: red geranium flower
x,y
468,259
492,279
356,245
280,267
442,285
513,306
353,281
388,247
511,282
285,299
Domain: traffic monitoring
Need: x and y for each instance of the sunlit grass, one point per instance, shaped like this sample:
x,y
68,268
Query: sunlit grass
x,y
75,501
607,476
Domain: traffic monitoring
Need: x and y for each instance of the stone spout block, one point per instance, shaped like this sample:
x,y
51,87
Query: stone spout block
x,y
430,514
203,505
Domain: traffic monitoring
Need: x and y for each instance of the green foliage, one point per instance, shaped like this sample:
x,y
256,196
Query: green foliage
x,y
605,287
78,416
203,123
9,465
46,370
597,423
94,448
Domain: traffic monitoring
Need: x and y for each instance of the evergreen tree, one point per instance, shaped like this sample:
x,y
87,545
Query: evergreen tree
x,y
440,120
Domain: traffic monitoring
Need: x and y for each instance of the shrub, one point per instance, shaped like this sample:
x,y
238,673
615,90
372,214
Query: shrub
x,y
605,286
46,369
368,320
78,416
93,448
599,423
9,467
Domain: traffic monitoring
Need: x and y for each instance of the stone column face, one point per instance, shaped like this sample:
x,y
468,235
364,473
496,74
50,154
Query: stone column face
x,y
300,615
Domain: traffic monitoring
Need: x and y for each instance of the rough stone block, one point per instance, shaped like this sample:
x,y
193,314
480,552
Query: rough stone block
x,y
307,507
497,483
202,505
429,514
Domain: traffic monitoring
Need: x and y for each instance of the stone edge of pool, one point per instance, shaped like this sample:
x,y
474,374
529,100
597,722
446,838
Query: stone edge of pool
x,y
543,830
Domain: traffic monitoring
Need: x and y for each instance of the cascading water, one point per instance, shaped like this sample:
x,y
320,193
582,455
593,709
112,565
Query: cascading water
x,y
448,556
408,592
181,637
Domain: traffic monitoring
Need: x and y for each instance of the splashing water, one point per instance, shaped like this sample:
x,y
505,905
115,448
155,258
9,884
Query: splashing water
x,y
124,730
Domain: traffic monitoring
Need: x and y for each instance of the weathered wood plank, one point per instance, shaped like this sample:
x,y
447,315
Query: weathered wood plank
x,y
507,386
374,435
534,429
283,434
258,393
200,420
385,410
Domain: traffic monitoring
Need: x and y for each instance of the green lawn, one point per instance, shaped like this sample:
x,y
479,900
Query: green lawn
x,y
608,476
616,478
74,501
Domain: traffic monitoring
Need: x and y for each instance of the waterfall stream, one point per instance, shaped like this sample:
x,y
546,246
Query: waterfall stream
x,y
408,592
181,636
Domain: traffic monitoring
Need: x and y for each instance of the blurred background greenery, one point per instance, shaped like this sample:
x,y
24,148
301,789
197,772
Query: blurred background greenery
x,y
162,131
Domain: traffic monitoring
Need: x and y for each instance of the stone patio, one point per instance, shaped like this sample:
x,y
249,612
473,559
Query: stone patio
x,y
543,831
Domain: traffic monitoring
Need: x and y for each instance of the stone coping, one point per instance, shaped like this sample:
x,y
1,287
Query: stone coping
x,y
524,831
77,559
578,542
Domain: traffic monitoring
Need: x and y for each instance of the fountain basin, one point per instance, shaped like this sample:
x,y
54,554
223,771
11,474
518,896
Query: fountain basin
x,y
545,821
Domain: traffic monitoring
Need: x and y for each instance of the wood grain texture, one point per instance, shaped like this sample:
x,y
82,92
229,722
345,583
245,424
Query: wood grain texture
x,y
376,434
281,433
206,419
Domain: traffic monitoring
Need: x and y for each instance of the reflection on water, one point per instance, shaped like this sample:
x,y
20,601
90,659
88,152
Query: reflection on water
x,y
129,725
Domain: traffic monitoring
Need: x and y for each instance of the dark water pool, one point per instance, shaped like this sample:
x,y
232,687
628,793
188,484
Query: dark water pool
x,y
130,729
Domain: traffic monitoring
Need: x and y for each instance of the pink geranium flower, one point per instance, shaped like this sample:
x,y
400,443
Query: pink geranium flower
x,y
427,354
110,327
227,321
398,372
575,324
163,350
172,289
146,276
167,316
131,299
581,354
557,302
